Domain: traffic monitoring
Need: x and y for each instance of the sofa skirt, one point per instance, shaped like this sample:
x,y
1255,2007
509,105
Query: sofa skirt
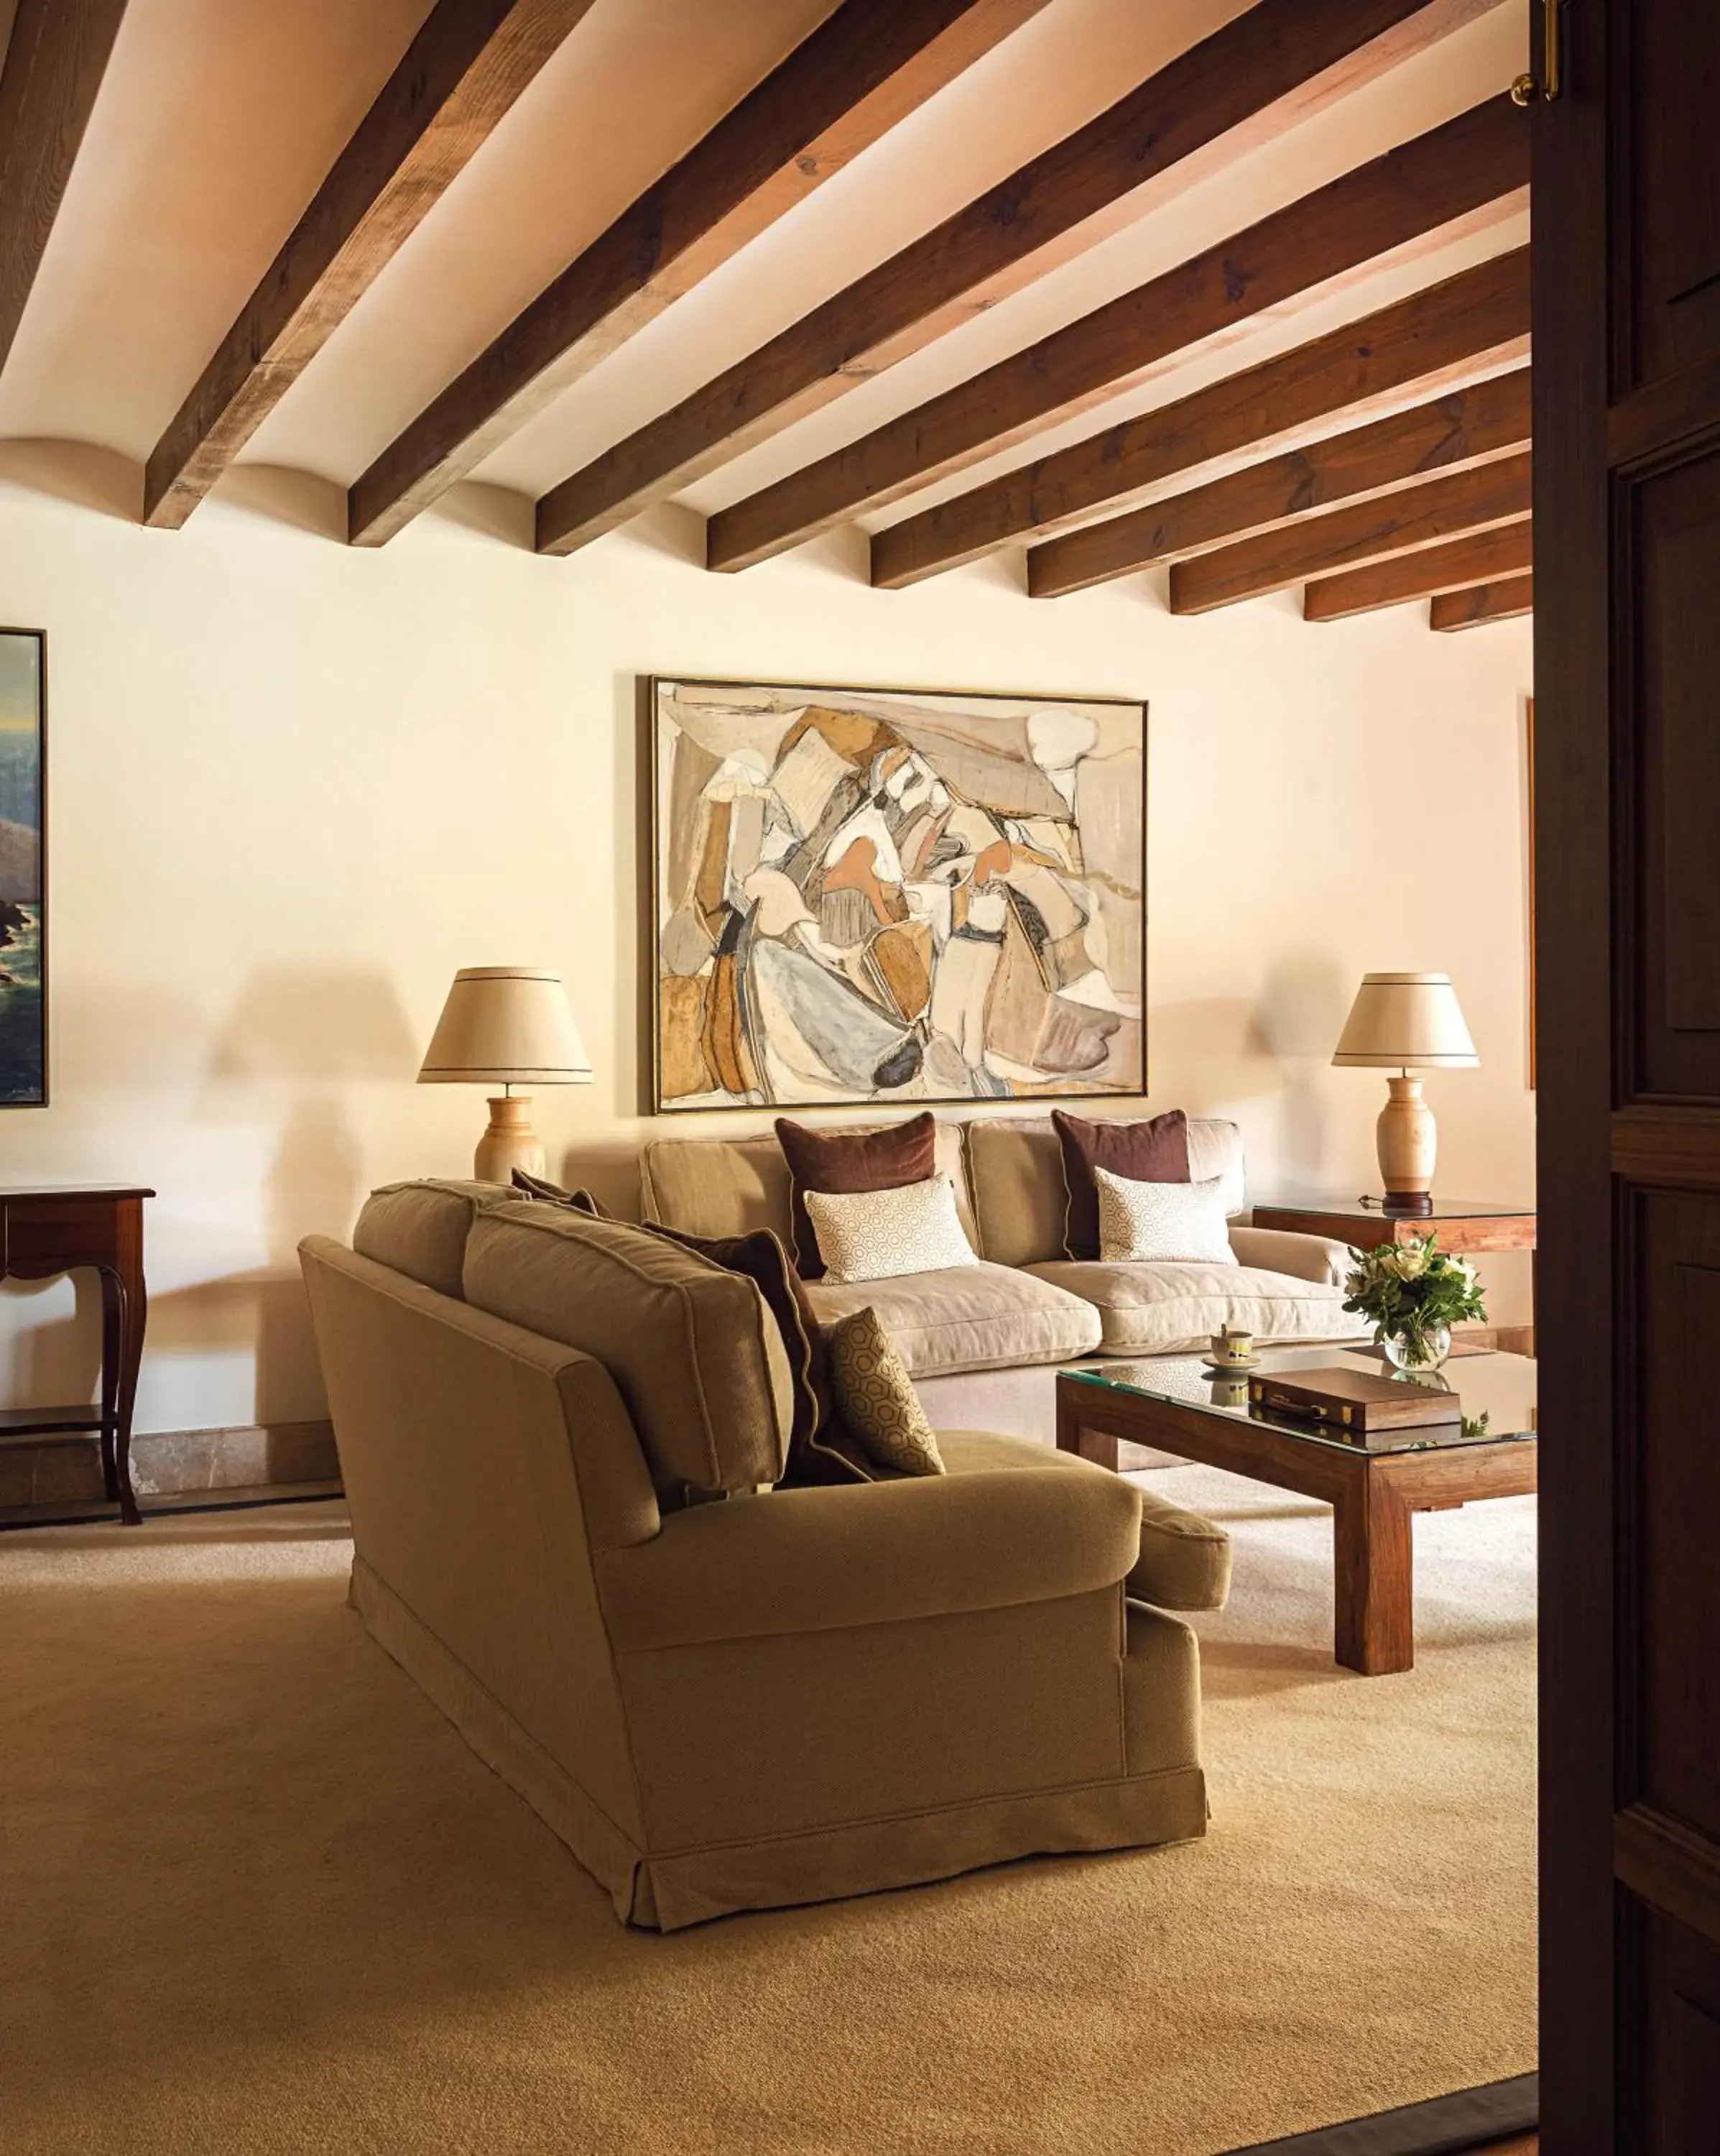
x,y
666,1890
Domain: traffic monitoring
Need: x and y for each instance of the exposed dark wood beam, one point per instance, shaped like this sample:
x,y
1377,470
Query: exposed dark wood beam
x,y
1470,171
1437,336
865,68
54,66
1466,427
468,63
1260,73
1483,557
1372,531
1501,601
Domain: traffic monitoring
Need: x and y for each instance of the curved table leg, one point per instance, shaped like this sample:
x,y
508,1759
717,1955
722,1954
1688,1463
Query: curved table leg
x,y
123,1310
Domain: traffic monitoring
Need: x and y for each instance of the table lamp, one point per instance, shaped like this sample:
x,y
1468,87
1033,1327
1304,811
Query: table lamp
x,y
1407,1021
506,1026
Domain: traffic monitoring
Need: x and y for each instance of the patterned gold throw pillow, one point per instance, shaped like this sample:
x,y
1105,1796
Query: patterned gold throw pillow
x,y
876,1397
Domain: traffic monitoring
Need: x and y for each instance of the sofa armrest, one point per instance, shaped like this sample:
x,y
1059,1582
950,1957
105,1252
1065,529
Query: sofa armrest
x,y
1010,1523
1302,1257
1185,1561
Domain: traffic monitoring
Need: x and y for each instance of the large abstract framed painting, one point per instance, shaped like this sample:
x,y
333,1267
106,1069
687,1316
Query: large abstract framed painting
x,y
23,927
876,895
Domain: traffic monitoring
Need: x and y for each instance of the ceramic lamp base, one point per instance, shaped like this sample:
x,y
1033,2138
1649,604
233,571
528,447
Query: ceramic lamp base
x,y
510,1142
1408,1145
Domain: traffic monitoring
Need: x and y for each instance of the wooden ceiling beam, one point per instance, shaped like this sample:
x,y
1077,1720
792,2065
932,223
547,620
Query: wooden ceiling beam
x,y
1482,558
1466,427
1437,336
1500,601
1373,531
1261,73
1474,169
468,64
866,67
54,66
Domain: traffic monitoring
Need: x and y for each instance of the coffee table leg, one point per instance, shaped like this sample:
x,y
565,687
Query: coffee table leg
x,y
1074,1436
1376,1578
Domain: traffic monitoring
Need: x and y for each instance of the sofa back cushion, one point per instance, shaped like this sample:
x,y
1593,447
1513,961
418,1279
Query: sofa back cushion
x,y
730,1186
420,1229
693,1352
1016,1172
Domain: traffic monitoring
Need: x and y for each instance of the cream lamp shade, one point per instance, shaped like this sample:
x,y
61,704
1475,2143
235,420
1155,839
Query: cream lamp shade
x,y
506,1026
1406,1022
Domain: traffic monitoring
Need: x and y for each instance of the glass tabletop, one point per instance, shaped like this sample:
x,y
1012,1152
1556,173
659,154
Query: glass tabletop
x,y
1495,1392
1349,1201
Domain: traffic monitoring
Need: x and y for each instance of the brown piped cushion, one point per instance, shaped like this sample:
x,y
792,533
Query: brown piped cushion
x,y
820,1449
844,1162
552,1193
1154,1151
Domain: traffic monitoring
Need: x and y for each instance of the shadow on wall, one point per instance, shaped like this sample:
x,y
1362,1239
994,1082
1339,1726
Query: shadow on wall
x,y
1299,1015
293,1040
1220,1038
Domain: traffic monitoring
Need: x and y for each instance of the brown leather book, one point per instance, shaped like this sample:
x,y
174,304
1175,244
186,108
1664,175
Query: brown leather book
x,y
1354,1401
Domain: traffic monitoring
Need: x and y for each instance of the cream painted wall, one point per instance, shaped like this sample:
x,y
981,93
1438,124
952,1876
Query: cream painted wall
x,y
293,787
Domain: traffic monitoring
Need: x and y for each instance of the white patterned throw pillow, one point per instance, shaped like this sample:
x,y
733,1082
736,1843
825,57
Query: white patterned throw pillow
x,y
1177,1222
876,1235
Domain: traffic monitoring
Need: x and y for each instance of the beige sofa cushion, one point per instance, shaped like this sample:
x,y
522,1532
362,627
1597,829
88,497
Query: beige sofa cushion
x,y
967,1317
728,1186
1016,1173
693,1352
420,1229
1159,1308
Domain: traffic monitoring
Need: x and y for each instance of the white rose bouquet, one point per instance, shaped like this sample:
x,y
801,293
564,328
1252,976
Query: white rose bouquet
x,y
1414,1291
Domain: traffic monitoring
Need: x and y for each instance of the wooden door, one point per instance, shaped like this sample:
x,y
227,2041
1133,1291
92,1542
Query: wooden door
x,y
1627,666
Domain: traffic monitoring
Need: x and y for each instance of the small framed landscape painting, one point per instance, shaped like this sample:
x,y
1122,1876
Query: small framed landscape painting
x,y
875,896
23,928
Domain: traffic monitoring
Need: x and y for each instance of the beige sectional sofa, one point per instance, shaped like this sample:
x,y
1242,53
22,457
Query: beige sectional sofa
x,y
785,1696
983,1341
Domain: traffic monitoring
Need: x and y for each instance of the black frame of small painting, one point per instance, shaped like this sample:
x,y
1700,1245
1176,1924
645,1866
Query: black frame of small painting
x,y
650,838
39,1098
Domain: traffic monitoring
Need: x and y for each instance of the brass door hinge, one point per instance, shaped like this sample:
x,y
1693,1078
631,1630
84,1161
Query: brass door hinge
x,y
1550,82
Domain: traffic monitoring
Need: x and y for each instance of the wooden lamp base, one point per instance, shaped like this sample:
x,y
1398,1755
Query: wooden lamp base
x,y
510,1142
1408,1145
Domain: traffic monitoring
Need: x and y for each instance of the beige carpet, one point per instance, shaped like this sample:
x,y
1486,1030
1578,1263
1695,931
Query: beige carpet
x,y
255,1894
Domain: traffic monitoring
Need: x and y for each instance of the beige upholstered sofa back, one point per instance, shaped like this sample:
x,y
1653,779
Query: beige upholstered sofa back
x,y
1016,1173
693,1352
730,1186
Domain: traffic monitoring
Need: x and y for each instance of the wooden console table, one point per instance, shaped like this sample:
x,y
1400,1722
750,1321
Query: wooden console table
x,y
44,1232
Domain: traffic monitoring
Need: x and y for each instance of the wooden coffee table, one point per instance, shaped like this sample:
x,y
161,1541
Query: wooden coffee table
x,y
1173,1405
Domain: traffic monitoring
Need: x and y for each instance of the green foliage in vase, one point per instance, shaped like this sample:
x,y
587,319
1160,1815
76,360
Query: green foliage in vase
x,y
1409,1289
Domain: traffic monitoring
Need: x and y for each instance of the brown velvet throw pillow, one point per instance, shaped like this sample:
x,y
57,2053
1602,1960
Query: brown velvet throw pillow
x,y
552,1193
819,1449
844,1162
1156,1150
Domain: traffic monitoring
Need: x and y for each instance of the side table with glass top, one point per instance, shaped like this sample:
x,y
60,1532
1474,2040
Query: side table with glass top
x,y
1375,1485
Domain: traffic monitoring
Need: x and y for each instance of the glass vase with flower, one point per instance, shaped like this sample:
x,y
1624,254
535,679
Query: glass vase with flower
x,y
1414,1292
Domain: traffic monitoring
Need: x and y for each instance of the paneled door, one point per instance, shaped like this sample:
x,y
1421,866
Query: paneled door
x,y
1627,752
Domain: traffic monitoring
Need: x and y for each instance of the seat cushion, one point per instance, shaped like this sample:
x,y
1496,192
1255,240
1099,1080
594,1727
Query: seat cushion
x,y
1158,1308
693,1351
968,1317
